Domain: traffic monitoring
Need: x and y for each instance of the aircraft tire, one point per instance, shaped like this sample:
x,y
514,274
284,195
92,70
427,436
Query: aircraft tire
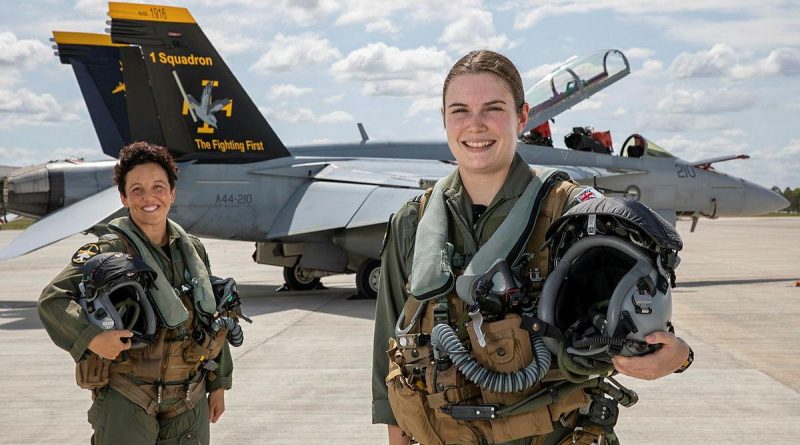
x,y
368,278
297,278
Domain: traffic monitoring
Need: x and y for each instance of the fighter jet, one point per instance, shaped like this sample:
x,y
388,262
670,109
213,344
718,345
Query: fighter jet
x,y
318,209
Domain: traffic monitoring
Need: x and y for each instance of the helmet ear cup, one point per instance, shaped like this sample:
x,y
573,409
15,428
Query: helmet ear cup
x,y
113,295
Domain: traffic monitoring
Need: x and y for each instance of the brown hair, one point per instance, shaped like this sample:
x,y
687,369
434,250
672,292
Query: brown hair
x,y
485,61
138,153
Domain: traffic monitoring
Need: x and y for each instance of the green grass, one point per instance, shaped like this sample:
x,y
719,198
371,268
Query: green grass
x,y
17,224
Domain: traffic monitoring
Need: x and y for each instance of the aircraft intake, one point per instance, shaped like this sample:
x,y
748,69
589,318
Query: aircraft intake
x,y
42,189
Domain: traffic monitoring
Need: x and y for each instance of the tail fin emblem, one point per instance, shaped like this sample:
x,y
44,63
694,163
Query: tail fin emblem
x,y
204,108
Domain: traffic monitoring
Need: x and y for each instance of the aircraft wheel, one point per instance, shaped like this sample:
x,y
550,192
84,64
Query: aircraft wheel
x,y
368,278
298,278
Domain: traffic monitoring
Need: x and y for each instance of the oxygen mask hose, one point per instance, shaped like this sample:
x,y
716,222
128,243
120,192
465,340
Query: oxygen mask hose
x,y
445,340
235,334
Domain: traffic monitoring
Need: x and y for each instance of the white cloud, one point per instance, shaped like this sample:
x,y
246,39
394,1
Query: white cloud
x,y
25,53
593,103
287,90
365,11
638,53
705,101
650,68
335,117
712,63
231,43
257,12
680,122
287,52
23,107
381,26
389,71
779,62
724,61
474,29
537,73
91,6
423,84
733,132
378,61
333,99
300,115
619,112
424,104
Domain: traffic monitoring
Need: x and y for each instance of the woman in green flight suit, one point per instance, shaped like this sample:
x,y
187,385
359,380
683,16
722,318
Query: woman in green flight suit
x,y
169,391
484,111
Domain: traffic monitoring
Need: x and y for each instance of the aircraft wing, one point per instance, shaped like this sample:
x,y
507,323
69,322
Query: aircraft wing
x,y
706,163
351,193
68,221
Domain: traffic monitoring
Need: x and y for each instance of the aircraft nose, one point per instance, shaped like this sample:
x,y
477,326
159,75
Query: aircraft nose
x,y
761,200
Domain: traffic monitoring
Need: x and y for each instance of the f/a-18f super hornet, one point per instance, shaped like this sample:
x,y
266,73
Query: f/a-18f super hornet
x,y
316,209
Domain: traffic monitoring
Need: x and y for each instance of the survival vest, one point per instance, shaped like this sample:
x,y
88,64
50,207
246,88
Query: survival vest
x,y
438,404
168,377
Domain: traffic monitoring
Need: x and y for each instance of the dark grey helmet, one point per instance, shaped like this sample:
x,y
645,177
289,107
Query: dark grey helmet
x,y
612,267
114,295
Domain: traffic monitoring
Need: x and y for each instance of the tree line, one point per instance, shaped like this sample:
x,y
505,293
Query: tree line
x,y
792,195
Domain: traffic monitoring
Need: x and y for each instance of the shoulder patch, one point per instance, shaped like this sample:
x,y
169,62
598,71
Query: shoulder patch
x,y
587,194
84,253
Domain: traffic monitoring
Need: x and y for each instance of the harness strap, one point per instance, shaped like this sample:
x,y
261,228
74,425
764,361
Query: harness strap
x,y
147,396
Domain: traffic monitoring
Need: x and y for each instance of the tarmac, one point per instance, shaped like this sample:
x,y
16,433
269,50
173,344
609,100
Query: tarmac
x,y
302,375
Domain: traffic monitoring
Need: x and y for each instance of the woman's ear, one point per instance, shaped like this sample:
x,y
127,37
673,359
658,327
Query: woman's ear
x,y
523,117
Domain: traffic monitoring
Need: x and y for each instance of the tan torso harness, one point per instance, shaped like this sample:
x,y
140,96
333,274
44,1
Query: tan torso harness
x,y
430,404
168,377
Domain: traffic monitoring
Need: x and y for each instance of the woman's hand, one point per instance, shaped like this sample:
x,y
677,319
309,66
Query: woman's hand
x,y
216,404
397,437
658,364
108,344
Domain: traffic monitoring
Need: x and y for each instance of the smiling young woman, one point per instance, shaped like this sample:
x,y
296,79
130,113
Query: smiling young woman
x,y
484,111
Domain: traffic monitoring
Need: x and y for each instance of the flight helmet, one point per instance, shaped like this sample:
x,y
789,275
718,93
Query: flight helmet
x,y
612,265
114,295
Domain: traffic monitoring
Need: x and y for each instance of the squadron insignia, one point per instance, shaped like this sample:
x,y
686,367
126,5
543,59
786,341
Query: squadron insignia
x,y
84,253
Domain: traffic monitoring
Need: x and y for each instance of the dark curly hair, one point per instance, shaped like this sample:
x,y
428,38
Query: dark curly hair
x,y
138,153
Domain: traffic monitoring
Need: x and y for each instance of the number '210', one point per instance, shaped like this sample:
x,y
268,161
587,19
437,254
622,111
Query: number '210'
x,y
685,171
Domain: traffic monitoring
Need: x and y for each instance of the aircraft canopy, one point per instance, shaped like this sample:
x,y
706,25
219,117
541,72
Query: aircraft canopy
x,y
574,81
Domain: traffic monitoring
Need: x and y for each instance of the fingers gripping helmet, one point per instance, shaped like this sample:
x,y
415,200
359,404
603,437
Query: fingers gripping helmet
x,y
114,295
612,267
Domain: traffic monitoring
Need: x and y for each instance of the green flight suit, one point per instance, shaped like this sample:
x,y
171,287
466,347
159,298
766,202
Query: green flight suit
x,y
114,418
466,236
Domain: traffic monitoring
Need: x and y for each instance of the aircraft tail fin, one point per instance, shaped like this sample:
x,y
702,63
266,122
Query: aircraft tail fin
x,y
204,112
98,69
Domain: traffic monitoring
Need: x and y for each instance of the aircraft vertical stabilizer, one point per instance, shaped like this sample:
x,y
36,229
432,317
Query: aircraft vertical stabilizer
x,y
98,68
204,112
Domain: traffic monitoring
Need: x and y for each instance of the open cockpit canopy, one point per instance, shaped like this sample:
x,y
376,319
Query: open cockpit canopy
x,y
572,82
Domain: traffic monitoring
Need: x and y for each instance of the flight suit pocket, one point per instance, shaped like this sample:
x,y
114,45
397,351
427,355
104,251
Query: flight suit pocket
x,y
92,372
508,350
413,414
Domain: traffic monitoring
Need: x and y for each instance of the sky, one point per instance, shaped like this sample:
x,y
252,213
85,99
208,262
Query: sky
x,y
708,77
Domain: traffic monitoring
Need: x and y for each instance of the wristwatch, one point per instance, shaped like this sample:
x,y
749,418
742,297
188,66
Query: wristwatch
x,y
687,363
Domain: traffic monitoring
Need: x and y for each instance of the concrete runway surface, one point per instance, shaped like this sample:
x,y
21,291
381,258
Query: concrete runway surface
x,y
302,375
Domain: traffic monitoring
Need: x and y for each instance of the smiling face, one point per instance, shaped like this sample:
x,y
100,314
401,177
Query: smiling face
x,y
148,196
482,122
